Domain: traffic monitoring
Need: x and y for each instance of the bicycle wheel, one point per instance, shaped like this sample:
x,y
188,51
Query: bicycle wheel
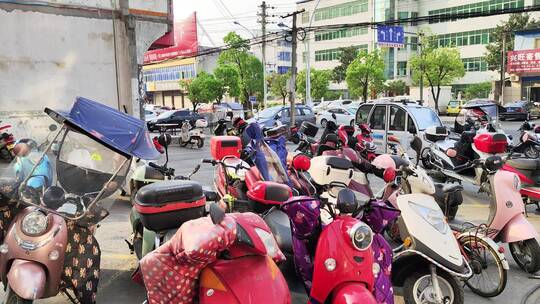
x,y
489,276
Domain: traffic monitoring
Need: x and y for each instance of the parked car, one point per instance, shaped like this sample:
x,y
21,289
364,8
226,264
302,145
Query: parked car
x,y
150,115
454,107
398,119
519,110
321,106
269,116
174,117
344,116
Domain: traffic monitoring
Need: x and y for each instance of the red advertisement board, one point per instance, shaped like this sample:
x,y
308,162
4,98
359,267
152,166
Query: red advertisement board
x,y
185,42
523,61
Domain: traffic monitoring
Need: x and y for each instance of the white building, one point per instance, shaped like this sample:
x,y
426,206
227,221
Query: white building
x,y
469,35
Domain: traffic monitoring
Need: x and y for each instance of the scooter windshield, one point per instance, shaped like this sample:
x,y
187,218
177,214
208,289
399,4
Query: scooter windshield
x,y
84,172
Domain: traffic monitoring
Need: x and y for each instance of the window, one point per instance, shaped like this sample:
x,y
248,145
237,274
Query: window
x,y
284,56
402,68
465,38
333,54
378,118
414,15
397,119
341,10
403,15
411,128
485,6
414,43
282,69
363,113
475,64
307,111
342,33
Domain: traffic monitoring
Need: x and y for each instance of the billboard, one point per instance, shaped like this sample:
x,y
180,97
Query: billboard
x,y
391,36
523,61
185,42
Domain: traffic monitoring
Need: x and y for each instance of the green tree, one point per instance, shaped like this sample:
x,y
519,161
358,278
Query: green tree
x,y
440,67
346,56
478,90
228,78
202,89
515,22
278,85
396,87
248,67
320,79
366,71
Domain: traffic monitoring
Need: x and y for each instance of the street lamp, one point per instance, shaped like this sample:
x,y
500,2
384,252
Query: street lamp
x,y
308,58
265,86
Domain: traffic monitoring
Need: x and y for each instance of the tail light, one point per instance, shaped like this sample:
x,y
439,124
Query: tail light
x,y
210,280
520,110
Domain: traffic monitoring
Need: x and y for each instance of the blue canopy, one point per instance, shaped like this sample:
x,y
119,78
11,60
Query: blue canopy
x,y
118,131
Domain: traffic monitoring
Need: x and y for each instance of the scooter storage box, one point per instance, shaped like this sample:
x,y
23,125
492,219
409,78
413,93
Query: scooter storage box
x,y
221,146
309,129
266,194
168,204
435,134
325,170
491,142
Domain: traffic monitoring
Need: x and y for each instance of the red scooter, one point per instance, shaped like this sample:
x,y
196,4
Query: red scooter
x,y
7,142
214,259
361,142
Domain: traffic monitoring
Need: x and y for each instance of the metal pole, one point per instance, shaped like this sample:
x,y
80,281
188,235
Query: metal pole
x,y
293,70
503,53
420,45
263,25
308,58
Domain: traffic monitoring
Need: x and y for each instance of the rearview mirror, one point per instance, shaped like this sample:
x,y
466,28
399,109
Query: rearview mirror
x,y
53,127
334,115
165,139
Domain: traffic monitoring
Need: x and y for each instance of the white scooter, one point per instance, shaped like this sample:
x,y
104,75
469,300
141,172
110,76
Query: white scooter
x,y
193,135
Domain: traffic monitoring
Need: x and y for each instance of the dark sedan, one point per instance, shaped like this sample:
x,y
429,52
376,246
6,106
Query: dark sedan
x,y
173,117
516,110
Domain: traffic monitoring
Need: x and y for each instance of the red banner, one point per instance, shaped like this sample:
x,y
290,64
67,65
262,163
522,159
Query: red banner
x,y
523,61
185,42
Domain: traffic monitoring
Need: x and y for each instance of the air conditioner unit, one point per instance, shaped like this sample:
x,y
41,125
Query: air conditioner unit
x,y
514,78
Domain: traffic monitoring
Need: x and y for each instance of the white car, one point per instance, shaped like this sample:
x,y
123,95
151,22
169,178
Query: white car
x,y
339,103
322,106
343,117
150,115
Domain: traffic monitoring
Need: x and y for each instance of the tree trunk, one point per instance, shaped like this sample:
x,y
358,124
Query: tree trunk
x,y
365,91
284,97
194,105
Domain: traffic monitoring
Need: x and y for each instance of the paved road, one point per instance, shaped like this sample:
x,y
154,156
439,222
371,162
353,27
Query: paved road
x,y
118,264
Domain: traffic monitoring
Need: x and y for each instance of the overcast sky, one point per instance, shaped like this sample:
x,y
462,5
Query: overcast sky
x,y
217,16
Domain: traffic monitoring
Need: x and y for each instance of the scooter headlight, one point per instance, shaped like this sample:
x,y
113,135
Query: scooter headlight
x,y
361,236
269,242
434,217
34,223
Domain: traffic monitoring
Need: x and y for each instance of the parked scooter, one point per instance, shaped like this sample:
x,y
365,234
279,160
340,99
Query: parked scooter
x,y
50,242
529,145
335,261
528,171
213,259
7,142
222,129
485,257
192,135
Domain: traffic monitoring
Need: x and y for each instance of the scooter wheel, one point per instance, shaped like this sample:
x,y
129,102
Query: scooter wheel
x,y
531,152
200,143
13,298
526,254
415,288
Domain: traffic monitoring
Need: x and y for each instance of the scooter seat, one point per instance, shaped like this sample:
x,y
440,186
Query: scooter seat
x,y
524,163
449,188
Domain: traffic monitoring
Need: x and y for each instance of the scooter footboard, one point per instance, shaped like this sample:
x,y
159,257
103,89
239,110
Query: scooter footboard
x,y
351,293
27,279
518,229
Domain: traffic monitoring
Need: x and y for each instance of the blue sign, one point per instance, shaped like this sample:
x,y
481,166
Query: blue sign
x,y
253,99
392,36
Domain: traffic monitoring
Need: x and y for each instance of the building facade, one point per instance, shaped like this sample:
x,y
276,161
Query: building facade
x,y
470,36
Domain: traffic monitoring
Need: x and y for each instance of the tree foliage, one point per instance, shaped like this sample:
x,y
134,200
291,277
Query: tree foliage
x,y
478,90
365,71
439,66
347,55
515,22
202,89
278,85
248,67
320,79
229,80
396,87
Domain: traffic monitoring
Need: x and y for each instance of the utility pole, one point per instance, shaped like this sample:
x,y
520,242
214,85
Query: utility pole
x,y
420,45
294,43
263,49
503,55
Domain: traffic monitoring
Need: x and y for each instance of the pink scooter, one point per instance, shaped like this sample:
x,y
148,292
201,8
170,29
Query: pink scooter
x,y
507,222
